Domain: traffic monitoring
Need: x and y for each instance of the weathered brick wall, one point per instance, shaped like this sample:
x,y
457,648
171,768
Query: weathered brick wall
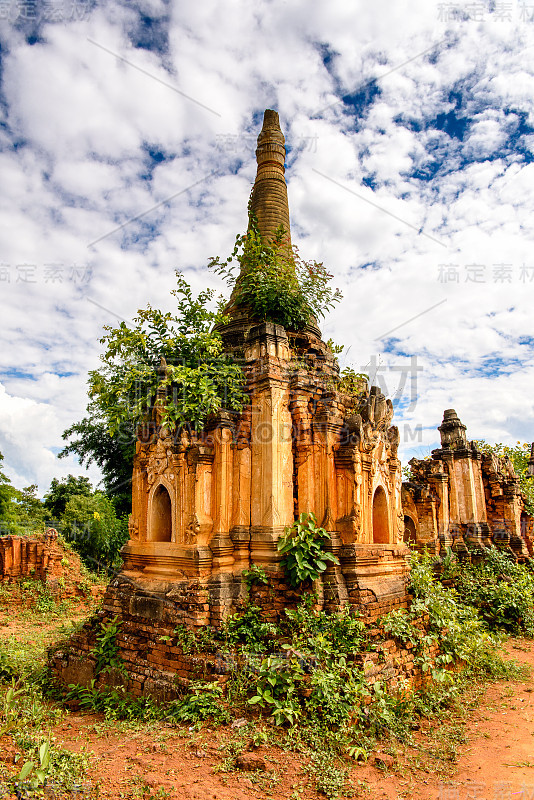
x,y
154,658
22,556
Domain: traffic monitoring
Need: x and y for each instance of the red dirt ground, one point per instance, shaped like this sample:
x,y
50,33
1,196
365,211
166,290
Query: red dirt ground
x,y
491,758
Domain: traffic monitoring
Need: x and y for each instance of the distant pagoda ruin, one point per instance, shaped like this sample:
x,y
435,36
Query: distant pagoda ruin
x,y
463,498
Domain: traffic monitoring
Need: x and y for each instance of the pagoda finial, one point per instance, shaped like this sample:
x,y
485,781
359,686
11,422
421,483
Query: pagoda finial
x,y
268,201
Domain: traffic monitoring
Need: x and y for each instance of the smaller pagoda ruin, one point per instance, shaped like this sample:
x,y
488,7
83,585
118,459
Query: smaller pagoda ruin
x,y
463,498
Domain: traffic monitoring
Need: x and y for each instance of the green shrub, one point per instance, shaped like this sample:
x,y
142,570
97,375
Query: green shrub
x,y
250,629
501,590
106,649
114,703
273,283
203,701
302,548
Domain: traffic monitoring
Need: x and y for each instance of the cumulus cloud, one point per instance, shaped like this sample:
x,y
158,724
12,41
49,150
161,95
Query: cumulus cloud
x,y
127,151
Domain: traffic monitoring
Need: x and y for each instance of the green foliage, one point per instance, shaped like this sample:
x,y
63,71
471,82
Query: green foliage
x,y
203,640
91,443
34,773
203,701
40,761
519,456
302,548
21,511
324,634
60,491
49,765
352,383
199,379
250,629
91,525
273,282
501,590
6,492
453,620
330,776
254,576
276,688
114,704
336,349
106,649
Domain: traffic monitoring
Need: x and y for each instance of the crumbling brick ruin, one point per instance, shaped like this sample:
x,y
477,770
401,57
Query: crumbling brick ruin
x,y
42,558
207,506
462,497
28,557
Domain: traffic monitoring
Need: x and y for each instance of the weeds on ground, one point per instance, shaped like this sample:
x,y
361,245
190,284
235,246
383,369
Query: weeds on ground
x,y
37,757
303,676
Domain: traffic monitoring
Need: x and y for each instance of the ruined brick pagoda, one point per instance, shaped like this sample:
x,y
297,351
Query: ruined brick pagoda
x,y
207,506
463,497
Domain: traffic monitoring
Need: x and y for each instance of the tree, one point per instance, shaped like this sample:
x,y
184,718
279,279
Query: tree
x,y
29,512
21,511
198,379
90,523
92,443
55,500
6,493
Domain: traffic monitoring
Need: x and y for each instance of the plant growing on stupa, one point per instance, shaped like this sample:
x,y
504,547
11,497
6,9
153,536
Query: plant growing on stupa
x,y
303,551
198,377
273,283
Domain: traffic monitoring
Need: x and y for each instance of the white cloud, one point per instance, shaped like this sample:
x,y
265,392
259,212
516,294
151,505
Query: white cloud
x,y
83,122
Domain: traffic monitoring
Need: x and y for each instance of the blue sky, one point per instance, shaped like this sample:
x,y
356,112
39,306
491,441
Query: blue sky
x,y
410,137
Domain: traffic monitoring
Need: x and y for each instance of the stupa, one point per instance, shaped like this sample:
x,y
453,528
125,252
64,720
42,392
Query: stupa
x,y
208,505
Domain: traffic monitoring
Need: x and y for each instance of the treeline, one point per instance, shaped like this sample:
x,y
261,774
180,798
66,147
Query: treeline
x,y
93,522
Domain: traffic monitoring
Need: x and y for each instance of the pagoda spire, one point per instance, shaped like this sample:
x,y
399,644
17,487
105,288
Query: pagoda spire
x,y
268,202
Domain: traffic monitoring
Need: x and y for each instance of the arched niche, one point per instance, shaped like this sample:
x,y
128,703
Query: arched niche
x,y
380,517
410,531
160,520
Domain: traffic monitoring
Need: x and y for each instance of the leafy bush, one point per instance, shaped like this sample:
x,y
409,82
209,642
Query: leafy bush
x,y
272,281
302,548
201,640
501,590
203,701
106,649
91,525
324,634
200,378
519,455
453,620
250,629
277,682
114,704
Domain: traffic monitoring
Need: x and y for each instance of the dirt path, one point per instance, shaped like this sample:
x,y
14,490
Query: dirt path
x,y
496,760
494,746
